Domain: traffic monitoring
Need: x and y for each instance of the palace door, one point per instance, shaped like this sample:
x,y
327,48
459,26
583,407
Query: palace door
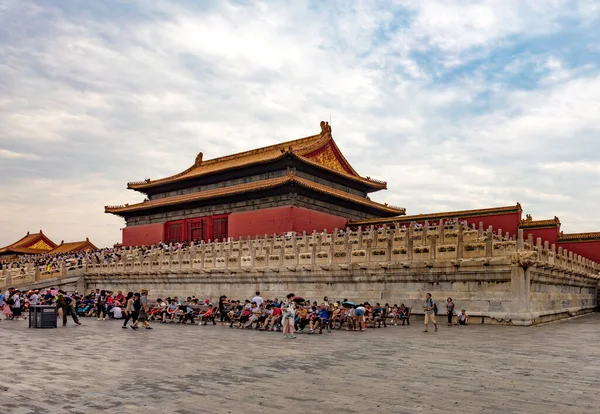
x,y
196,230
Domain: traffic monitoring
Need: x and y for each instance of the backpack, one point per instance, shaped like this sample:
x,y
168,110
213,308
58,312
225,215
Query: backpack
x,y
137,305
435,308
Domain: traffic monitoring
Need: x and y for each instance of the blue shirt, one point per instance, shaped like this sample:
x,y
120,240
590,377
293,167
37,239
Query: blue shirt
x,y
1,298
323,314
429,304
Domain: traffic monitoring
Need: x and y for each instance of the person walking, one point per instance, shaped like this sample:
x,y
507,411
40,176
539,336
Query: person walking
x,y
143,309
66,303
2,300
288,317
430,312
129,312
222,310
16,305
450,310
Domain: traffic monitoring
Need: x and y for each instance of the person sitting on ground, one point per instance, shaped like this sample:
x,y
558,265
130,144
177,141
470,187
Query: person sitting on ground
x,y
313,319
255,313
162,310
244,317
185,313
234,311
155,310
276,316
266,312
404,314
172,310
116,311
351,319
209,315
301,320
335,312
323,318
462,318
378,316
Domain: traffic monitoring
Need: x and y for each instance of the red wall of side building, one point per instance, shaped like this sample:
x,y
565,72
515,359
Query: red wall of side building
x,y
281,220
549,235
143,235
508,222
588,249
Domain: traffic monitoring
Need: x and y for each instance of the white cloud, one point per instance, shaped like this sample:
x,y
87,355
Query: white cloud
x,y
4,153
102,100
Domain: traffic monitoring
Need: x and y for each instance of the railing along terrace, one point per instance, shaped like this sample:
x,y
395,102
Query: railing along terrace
x,y
369,246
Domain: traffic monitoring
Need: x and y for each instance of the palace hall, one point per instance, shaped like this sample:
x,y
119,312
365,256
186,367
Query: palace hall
x,y
303,185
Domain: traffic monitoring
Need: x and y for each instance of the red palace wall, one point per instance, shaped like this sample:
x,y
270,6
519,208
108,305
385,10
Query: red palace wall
x,y
281,220
588,249
507,222
143,235
549,235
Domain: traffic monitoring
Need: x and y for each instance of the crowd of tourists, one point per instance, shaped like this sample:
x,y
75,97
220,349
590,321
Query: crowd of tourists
x,y
50,262
294,314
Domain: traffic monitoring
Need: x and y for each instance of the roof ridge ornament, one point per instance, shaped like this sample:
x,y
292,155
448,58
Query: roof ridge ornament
x,y
325,128
198,159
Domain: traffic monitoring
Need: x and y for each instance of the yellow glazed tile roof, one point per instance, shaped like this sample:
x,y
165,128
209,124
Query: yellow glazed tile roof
x,y
529,223
567,237
248,187
301,148
74,247
30,244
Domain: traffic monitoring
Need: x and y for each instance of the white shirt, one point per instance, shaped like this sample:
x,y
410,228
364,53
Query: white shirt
x,y
117,312
259,301
34,299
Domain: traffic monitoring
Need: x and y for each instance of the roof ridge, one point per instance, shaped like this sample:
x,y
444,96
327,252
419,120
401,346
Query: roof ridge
x,y
578,236
529,222
252,186
443,215
281,145
200,162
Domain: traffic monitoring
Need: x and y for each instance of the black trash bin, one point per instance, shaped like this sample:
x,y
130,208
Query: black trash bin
x,y
44,316
32,316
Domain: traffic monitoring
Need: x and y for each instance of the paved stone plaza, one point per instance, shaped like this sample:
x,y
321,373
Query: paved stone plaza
x,y
213,369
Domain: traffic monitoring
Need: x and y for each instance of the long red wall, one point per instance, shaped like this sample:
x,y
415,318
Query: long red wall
x,y
507,222
588,249
549,235
281,220
143,235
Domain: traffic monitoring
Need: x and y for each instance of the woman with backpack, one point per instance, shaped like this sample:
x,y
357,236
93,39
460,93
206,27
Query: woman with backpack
x,y
129,312
101,305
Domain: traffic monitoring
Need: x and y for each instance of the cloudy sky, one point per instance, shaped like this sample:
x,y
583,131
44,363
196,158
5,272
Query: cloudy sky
x,y
456,104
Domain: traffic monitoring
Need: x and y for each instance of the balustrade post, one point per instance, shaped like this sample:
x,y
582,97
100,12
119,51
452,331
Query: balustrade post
x,y
489,242
460,242
409,241
520,241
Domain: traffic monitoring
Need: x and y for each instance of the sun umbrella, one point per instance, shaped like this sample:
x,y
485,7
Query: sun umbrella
x,y
298,299
349,304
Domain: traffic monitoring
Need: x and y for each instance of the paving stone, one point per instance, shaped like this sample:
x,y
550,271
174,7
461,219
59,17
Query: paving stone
x,y
215,369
